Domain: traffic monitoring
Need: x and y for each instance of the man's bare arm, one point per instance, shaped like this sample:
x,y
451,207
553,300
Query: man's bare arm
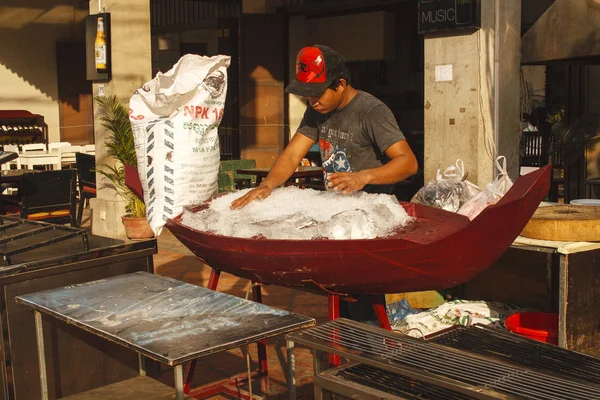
x,y
284,167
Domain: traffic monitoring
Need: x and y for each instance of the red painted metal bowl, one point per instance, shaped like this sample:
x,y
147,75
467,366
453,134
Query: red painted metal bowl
x,y
439,250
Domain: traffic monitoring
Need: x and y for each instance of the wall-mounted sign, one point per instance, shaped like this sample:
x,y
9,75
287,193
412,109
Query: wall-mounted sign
x,y
448,15
443,73
98,48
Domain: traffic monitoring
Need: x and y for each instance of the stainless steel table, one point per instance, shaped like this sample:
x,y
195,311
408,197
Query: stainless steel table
x,y
160,318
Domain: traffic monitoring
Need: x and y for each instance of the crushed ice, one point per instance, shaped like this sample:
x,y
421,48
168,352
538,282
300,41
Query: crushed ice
x,y
302,214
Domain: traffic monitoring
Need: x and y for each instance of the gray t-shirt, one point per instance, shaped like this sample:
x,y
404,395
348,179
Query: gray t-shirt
x,y
355,137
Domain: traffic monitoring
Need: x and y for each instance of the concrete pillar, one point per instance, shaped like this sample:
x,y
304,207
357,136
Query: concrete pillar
x,y
474,101
131,67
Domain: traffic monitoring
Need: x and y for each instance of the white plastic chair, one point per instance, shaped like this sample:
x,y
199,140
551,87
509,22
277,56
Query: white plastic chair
x,y
66,155
89,149
17,162
57,145
33,147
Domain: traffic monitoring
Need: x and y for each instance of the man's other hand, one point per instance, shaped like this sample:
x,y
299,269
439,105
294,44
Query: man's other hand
x,y
347,182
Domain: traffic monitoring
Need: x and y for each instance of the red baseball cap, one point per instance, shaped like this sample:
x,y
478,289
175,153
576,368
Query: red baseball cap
x,y
316,68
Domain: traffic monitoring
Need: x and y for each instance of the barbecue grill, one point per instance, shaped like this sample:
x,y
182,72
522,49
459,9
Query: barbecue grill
x,y
506,346
19,236
474,361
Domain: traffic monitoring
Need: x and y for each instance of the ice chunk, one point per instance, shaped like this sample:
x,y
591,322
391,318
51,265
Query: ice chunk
x,y
302,214
351,224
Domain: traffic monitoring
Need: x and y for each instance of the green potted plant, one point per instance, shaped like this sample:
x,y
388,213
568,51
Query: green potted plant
x,y
114,117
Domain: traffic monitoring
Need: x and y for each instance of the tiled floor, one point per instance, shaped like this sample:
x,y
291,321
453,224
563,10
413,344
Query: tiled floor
x,y
176,261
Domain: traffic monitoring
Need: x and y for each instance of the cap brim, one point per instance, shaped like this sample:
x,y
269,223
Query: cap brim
x,y
307,89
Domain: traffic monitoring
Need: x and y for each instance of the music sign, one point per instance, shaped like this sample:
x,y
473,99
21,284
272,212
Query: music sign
x,y
448,15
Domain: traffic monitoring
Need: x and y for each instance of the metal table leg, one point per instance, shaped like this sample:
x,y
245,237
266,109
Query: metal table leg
x,y
249,368
291,370
179,382
142,364
318,368
39,333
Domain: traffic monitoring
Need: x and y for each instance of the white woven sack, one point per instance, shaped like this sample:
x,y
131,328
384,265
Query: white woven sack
x,y
175,117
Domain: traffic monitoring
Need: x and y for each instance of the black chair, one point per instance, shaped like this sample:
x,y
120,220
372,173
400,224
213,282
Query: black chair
x,y
48,196
86,163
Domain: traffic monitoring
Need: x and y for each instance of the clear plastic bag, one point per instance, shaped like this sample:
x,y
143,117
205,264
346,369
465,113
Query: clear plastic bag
x,y
492,193
449,191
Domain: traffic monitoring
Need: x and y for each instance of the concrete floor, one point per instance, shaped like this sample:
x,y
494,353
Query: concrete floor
x,y
176,261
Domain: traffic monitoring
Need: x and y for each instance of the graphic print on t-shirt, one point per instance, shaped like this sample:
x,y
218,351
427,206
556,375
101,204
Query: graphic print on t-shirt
x,y
336,160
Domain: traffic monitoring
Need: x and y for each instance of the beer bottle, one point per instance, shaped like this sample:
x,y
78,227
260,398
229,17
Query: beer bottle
x,y
100,48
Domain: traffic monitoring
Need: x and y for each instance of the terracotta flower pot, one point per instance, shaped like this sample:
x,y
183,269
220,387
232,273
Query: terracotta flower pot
x,y
137,227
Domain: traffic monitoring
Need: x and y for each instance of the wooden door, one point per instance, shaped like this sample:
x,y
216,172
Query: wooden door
x,y
262,70
74,94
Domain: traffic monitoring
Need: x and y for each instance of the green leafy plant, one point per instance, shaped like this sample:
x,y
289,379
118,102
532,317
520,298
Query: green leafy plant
x,y
120,145
558,117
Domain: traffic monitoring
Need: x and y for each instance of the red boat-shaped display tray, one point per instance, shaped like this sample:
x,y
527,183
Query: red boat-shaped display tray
x,y
438,250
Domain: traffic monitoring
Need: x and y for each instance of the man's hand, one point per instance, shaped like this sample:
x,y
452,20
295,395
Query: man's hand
x,y
348,182
261,192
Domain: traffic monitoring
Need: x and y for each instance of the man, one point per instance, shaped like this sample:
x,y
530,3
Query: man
x,y
362,147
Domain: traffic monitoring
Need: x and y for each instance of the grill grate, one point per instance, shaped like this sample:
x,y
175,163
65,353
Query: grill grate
x,y
18,236
517,349
442,365
397,384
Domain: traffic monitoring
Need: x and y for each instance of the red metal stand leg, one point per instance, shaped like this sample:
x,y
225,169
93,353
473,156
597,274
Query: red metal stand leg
x,y
333,308
213,281
189,377
378,303
263,368
333,304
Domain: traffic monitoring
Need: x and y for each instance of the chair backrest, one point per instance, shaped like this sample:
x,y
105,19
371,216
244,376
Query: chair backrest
x,y
56,145
66,154
33,147
49,196
14,149
85,169
89,149
534,149
226,182
241,180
